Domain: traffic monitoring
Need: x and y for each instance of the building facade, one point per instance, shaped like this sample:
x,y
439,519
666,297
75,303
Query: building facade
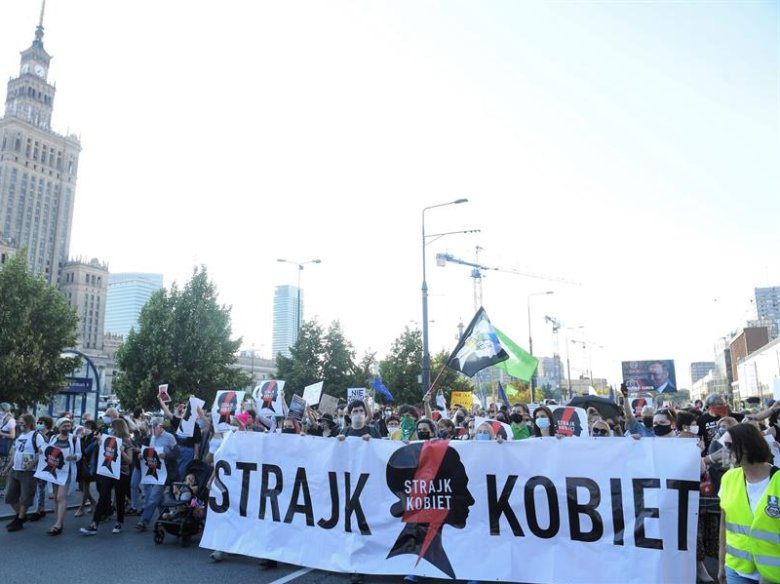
x,y
759,373
746,342
768,303
127,294
700,368
288,315
38,167
85,285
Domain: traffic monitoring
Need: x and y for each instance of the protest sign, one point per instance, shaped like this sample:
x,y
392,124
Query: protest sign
x,y
187,425
225,406
328,404
354,393
464,399
655,375
109,456
52,466
153,471
297,407
566,507
162,393
269,395
570,421
312,393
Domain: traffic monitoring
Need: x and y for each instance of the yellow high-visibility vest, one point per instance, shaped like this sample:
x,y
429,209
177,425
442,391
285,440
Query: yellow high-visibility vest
x,y
752,541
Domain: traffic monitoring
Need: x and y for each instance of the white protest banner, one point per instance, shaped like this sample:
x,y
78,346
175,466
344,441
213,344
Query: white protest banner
x,y
52,466
153,471
270,395
109,454
225,405
354,393
542,510
312,393
499,428
187,425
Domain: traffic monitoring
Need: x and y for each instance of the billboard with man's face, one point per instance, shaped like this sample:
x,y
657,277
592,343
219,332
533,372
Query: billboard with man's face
x,y
655,375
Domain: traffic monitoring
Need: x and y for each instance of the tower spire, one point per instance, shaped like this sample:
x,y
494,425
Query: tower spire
x,y
38,42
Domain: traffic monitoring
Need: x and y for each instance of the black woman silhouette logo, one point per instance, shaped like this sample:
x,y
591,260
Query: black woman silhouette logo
x,y
431,484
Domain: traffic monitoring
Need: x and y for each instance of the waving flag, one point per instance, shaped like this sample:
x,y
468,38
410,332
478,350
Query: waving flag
x,y
520,363
478,348
382,388
502,396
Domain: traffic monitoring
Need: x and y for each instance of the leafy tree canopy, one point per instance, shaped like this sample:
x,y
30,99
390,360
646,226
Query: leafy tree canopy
x,y
36,324
184,340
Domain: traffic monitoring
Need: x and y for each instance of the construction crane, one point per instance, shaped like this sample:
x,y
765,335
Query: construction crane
x,y
477,269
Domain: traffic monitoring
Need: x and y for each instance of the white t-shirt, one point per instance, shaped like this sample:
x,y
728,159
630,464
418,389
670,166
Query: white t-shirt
x,y
755,491
7,425
24,451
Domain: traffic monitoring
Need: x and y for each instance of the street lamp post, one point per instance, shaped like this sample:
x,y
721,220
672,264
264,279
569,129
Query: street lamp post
x,y
300,269
568,366
426,358
531,340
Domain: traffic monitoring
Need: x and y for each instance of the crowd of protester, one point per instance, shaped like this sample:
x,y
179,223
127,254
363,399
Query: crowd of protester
x,y
747,442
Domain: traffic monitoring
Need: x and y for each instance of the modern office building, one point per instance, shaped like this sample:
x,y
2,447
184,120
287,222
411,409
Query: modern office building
x,y
744,344
288,315
84,284
38,167
127,295
700,369
768,303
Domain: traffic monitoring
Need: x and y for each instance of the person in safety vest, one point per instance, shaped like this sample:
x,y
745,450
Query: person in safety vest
x,y
750,511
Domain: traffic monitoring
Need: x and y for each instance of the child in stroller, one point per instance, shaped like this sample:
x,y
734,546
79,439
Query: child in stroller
x,y
183,513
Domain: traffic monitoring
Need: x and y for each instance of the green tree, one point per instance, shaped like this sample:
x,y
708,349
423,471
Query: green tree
x,y
184,340
36,324
338,368
403,365
305,365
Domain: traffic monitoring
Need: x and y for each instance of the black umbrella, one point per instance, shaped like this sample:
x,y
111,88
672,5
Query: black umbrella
x,y
605,407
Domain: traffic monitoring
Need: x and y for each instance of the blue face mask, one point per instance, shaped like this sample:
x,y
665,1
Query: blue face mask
x,y
201,424
39,427
108,431
542,423
483,436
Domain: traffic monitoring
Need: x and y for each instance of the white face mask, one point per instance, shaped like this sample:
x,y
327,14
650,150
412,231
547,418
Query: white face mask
x,y
693,429
357,420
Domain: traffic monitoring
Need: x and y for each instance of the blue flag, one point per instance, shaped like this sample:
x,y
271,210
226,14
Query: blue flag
x,y
382,388
502,396
612,394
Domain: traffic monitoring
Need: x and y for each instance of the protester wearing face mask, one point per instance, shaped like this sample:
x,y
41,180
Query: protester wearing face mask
x,y
663,424
87,467
64,441
358,423
19,470
408,426
521,429
484,432
749,494
291,426
708,421
445,429
426,429
686,425
44,426
393,425
544,422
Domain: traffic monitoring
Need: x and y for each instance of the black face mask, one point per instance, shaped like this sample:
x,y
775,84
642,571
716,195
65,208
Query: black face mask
x,y
648,422
288,430
423,435
662,430
443,434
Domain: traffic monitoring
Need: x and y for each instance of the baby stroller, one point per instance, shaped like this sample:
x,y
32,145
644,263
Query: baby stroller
x,y
183,513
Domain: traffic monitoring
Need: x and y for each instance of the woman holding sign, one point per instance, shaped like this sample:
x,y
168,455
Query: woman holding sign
x,y
70,448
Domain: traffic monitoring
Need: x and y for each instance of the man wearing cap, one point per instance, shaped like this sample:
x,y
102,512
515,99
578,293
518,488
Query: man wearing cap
x,y
153,494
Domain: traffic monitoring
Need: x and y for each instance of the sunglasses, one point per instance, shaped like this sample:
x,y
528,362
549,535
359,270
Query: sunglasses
x,y
598,432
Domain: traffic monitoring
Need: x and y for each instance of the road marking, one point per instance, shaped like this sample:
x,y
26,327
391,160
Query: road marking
x,y
293,576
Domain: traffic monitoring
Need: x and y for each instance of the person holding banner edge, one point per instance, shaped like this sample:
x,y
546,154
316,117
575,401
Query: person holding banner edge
x,y
749,549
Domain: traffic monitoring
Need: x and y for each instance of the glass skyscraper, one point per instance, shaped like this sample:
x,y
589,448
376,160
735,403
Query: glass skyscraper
x,y
286,315
127,294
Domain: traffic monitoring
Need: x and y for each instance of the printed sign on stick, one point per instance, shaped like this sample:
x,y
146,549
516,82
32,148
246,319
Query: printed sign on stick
x,y
269,395
153,471
354,393
52,466
162,393
187,425
312,393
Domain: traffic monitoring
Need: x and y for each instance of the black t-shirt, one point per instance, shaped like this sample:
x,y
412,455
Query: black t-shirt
x,y
708,428
370,430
